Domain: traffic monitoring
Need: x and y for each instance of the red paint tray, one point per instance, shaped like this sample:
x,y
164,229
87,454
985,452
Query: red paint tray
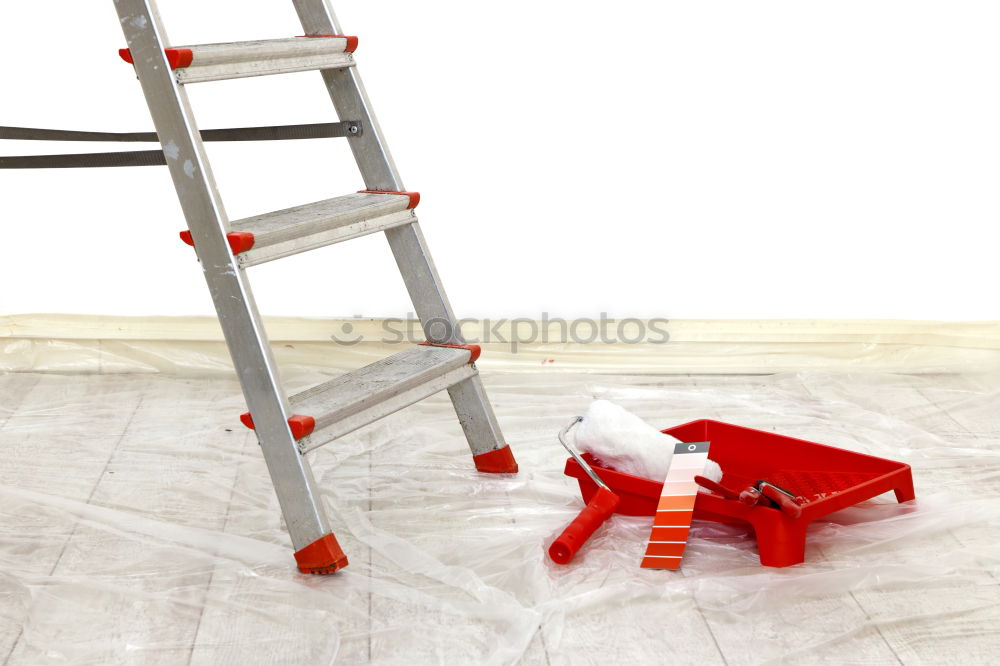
x,y
825,479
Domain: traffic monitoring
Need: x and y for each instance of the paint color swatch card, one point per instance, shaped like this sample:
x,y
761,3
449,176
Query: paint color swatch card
x,y
672,521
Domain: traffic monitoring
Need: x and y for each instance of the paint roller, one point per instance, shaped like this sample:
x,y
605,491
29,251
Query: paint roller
x,y
622,441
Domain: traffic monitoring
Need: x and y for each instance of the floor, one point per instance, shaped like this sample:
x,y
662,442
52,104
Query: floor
x,y
138,526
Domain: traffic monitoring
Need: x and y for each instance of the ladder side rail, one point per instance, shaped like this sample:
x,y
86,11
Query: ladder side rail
x,y
379,172
479,422
409,248
351,101
174,121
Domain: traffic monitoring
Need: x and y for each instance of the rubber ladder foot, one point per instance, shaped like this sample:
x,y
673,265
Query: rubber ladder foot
x,y
500,461
322,556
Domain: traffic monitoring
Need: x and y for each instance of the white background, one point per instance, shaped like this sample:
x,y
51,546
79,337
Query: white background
x,y
683,160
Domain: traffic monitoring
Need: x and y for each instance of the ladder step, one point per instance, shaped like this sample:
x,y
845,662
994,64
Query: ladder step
x,y
294,230
363,396
216,62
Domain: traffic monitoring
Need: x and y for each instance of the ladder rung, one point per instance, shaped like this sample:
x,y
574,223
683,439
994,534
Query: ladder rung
x,y
215,62
294,230
363,396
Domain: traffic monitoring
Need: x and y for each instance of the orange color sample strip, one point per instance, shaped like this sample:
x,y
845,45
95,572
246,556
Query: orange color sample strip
x,y
674,513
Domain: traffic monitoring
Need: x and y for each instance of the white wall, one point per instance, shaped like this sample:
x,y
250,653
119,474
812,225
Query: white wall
x,y
699,159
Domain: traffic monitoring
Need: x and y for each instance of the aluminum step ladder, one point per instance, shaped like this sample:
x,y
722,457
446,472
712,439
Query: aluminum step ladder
x,y
290,426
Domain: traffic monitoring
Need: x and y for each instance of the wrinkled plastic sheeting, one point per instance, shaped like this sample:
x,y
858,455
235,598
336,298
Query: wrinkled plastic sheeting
x,y
138,525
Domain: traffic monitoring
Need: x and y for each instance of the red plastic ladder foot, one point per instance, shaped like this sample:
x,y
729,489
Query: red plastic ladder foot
x,y
322,556
500,461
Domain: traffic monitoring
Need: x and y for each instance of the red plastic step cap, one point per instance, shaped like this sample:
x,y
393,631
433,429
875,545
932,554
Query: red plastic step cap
x,y
301,425
500,461
474,350
352,41
322,556
414,196
178,58
239,241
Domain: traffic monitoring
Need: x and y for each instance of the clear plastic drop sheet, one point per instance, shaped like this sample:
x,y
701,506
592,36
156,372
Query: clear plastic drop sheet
x,y
138,526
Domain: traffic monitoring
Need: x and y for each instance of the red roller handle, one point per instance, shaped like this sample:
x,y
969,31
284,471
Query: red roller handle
x,y
599,509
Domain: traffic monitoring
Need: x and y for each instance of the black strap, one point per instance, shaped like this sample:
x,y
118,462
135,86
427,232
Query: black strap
x,y
152,157
85,160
